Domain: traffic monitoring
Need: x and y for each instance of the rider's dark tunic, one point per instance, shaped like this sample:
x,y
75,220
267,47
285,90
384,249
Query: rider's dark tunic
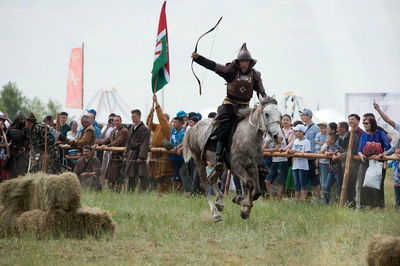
x,y
240,86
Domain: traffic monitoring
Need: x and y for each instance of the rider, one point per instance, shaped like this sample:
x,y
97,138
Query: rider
x,y
241,80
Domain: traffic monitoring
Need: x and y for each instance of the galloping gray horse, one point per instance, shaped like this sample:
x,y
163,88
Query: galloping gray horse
x,y
245,153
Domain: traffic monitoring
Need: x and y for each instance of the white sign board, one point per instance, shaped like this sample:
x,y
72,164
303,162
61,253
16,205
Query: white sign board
x,y
361,103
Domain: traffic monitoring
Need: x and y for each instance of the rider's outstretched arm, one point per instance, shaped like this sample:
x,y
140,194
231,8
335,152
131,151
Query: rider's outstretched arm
x,y
205,62
225,71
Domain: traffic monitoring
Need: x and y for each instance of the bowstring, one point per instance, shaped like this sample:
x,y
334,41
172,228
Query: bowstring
x,y
209,56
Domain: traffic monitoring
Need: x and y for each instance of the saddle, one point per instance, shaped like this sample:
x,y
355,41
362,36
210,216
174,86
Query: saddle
x,y
210,141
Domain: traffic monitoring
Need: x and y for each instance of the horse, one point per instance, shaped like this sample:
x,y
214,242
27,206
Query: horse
x,y
245,153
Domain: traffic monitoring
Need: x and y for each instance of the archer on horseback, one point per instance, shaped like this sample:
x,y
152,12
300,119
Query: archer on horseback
x,y
242,79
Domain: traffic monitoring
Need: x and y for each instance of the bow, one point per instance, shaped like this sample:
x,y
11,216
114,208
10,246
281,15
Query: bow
x,y
195,51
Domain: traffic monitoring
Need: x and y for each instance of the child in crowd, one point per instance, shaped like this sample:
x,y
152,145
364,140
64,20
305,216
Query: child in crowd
x,y
300,165
332,128
334,168
320,140
278,170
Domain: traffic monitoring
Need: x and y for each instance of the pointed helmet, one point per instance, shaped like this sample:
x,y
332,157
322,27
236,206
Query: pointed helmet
x,y
244,54
20,115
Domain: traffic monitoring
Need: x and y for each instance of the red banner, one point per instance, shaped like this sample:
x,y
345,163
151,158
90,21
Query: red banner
x,y
75,80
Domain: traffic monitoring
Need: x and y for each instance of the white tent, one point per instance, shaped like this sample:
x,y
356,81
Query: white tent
x,y
290,104
328,115
107,101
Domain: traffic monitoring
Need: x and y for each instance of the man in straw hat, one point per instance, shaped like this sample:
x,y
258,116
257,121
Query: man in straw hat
x,y
42,153
242,79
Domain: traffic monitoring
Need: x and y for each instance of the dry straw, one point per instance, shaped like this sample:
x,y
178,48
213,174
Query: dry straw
x,y
40,191
74,224
8,221
383,250
49,206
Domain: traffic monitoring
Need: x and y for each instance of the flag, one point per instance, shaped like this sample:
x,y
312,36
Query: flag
x,y
160,72
75,79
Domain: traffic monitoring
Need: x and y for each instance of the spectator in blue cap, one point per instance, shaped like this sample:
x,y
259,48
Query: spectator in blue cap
x,y
94,113
181,114
311,132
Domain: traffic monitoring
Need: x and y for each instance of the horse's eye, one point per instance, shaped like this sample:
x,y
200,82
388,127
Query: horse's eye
x,y
266,115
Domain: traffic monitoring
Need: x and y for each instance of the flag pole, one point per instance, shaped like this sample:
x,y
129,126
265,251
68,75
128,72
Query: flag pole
x,y
83,75
162,101
154,91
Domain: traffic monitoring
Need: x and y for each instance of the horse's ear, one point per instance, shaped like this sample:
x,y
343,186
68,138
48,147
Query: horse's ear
x,y
263,100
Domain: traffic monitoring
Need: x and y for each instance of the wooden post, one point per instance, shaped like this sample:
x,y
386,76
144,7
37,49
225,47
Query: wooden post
x,y
227,182
343,194
45,149
58,123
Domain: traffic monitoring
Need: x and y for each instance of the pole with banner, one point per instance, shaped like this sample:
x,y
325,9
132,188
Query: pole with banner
x,y
160,73
75,79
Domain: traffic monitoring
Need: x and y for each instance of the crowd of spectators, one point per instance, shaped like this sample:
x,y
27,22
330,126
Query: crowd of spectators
x,y
84,150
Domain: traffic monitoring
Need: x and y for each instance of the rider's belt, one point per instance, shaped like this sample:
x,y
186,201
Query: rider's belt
x,y
229,101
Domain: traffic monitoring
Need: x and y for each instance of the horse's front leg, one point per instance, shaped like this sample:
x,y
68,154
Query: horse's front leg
x,y
219,203
204,184
247,203
250,187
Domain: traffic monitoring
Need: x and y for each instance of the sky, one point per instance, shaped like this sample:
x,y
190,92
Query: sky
x,y
320,49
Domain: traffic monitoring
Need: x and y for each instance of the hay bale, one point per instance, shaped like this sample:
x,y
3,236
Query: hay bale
x,y
8,221
74,224
95,221
31,223
63,192
41,191
383,250
14,192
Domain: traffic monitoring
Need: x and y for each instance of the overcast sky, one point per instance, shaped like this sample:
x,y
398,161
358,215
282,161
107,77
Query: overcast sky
x,y
320,49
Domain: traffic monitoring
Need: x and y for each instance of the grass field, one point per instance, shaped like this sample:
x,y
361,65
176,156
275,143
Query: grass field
x,y
172,229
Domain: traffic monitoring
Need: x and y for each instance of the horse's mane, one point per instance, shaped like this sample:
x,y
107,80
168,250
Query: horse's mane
x,y
268,100
245,112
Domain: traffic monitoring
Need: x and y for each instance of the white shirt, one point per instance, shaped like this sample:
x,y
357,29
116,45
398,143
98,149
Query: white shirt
x,y
108,132
397,126
301,146
280,159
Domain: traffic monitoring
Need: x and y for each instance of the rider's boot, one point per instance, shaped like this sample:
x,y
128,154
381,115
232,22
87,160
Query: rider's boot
x,y
219,156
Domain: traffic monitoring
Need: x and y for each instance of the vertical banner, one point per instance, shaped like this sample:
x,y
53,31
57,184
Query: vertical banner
x,y
75,80
160,72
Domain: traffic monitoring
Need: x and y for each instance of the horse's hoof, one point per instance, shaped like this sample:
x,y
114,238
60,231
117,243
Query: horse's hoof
x,y
220,207
245,213
237,199
217,218
256,196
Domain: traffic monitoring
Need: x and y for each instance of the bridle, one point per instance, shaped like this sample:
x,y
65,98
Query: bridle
x,y
264,127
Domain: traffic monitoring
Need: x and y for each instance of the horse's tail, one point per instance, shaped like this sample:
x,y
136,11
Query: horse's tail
x,y
187,154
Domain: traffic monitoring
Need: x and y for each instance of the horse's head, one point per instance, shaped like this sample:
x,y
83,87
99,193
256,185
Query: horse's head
x,y
272,117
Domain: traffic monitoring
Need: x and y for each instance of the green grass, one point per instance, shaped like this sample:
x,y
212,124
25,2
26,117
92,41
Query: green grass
x,y
172,229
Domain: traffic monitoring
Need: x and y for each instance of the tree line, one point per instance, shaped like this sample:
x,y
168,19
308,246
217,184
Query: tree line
x,y
13,100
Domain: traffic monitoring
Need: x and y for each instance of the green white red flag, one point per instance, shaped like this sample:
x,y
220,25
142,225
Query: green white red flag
x,y
160,72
